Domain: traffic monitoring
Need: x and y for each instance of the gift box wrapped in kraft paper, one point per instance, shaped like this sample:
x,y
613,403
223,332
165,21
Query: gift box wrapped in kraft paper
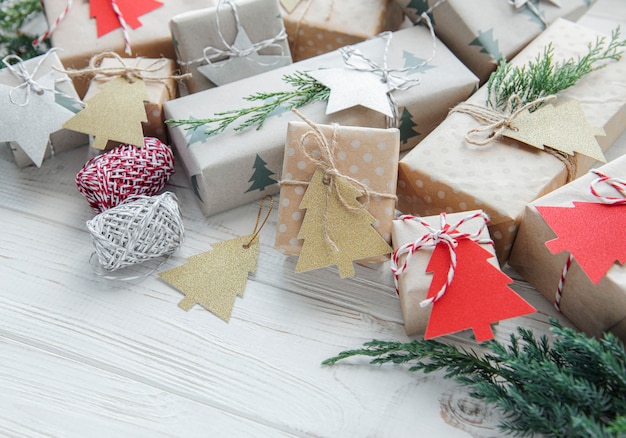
x,y
320,26
482,32
158,76
228,42
232,168
447,173
573,221
45,71
90,28
368,155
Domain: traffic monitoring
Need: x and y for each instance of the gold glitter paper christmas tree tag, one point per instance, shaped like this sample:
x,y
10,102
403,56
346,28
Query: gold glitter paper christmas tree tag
x,y
563,127
114,113
336,229
214,278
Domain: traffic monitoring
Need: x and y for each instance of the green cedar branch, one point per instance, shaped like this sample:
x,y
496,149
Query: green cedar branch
x,y
306,90
574,387
543,77
13,15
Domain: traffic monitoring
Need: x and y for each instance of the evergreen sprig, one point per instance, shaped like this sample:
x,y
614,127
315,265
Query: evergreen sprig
x,y
572,387
13,15
543,77
306,90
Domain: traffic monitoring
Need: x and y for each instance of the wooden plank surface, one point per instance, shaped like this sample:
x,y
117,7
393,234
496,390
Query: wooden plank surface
x,y
86,356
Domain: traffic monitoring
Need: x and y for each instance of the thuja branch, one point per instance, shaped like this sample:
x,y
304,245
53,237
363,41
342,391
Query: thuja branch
x,y
13,14
543,77
306,90
575,386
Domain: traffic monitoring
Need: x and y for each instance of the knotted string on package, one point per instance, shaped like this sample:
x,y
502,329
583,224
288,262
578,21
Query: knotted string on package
x,y
616,184
64,12
324,158
447,234
211,53
532,8
28,83
495,123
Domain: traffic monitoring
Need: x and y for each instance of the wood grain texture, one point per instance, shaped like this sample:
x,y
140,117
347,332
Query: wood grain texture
x,y
86,356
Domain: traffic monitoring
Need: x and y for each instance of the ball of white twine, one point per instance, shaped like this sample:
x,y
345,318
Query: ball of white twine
x,y
139,230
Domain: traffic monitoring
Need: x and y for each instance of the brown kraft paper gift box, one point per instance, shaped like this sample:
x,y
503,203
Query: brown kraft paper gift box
x,y
592,308
445,173
315,27
233,168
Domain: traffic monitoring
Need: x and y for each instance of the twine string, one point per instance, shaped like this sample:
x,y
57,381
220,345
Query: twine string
x,y
534,9
323,158
29,84
447,234
211,53
426,14
257,228
54,25
616,184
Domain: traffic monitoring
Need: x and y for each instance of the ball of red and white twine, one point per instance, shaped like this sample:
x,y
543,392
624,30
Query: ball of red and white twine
x,y
109,179
619,185
447,234
141,229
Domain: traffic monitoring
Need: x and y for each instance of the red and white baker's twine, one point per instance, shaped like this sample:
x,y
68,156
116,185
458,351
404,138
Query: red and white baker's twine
x,y
619,185
64,12
446,234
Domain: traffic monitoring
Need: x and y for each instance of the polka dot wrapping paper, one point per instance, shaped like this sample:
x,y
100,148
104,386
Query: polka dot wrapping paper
x,y
593,308
159,90
368,155
445,173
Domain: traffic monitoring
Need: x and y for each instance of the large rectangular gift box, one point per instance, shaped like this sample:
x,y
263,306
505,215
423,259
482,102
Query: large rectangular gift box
x,y
445,173
368,155
315,27
77,34
593,308
481,32
199,38
160,86
63,139
225,169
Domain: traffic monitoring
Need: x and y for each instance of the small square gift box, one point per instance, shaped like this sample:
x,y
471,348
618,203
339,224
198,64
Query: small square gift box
x,y
158,76
36,98
571,246
337,195
482,32
135,28
241,159
448,278
499,161
320,26
228,42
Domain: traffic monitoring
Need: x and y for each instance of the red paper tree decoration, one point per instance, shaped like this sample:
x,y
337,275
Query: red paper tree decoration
x,y
593,233
477,296
107,20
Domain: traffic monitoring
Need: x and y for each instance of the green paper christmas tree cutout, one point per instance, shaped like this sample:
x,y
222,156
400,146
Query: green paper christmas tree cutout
x,y
195,135
406,126
488,45
420,7
412,61
261,177
526,10
196,188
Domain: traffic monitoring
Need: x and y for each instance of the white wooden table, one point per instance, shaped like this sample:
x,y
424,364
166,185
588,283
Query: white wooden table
x,y
82,356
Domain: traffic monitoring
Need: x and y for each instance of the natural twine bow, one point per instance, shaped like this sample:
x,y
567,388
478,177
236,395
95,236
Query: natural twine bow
x,y
211,53
324,158
29,84
497,122
64,12
617,184
447,234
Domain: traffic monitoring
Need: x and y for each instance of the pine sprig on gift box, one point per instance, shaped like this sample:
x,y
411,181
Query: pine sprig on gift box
x,y
13,15
543,77
306,90
574,386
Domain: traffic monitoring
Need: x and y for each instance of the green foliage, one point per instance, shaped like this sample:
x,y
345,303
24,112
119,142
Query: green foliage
x,y
574,387
13,14
306,90
543,77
